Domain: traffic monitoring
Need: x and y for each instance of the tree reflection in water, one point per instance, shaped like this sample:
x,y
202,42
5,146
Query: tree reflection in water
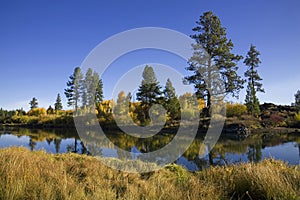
x,y
198,155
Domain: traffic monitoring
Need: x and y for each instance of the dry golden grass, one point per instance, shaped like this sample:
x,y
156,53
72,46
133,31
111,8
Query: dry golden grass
x,y
38,175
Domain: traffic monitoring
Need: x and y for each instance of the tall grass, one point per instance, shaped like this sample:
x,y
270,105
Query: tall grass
x,y
38,175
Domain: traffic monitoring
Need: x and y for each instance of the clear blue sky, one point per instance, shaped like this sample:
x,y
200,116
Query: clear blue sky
x,y
42,41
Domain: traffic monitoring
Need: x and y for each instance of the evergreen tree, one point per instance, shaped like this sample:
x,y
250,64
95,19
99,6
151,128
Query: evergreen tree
x,y
217,61
97,88
297,99
99,91
169,91
58,104
83,97
73,90
252,62
149,91
171,101
50,110
86,88
33,103
252,101
91,90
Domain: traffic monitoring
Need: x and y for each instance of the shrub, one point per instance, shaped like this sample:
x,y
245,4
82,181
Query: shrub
x,y
187,114
20,119
276,118
37,112
295,121
64,112
235,110
297,117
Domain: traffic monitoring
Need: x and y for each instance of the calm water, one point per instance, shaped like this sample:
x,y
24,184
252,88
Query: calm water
x,y
226,151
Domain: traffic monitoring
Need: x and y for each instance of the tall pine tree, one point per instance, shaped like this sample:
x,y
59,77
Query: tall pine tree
x,y
254,85
218,62
87,89
171,101
73,90
148,94
99,90
91,90
169,91
149,91
58,104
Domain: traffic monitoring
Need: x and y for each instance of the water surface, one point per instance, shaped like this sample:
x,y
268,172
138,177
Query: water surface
x,y
198,156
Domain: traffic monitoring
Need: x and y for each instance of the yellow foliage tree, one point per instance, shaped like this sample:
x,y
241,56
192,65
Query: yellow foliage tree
x,y
235,110
37,112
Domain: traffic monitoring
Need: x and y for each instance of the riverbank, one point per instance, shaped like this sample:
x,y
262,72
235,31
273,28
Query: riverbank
x,y
38,175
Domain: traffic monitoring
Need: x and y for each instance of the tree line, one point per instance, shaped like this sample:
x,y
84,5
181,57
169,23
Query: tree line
x,y
210,36
84,92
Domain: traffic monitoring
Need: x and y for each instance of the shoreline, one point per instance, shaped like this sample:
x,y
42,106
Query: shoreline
x,y
168,129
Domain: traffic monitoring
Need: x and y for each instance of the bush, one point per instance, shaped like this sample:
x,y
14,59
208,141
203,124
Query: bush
x,y
274,120
20,119
37,112
235,110
294,121
65,112
297,117
187,114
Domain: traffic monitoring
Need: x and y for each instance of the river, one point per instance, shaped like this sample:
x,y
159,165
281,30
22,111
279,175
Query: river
x,y
255,148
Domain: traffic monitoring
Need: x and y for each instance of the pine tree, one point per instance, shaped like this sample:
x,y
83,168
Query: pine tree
x,y
252,62
99,91
91,90
297,99
252,101
73,90
171,101
58,104
149,91
216,62
50,110
33,103
86,89
169,91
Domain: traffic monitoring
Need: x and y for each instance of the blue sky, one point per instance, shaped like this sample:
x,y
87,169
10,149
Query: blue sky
x,y
41,42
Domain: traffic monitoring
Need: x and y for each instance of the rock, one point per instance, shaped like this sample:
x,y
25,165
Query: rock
x,y
237,131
